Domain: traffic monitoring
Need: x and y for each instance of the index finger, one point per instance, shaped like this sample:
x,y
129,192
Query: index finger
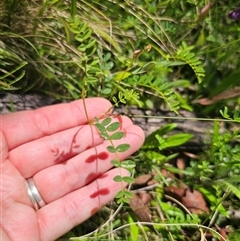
x,y
25,126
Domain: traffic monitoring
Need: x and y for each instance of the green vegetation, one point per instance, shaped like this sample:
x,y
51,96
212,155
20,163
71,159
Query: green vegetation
x,y
173,55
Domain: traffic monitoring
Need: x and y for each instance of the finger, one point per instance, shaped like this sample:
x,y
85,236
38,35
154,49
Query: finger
x,y
26,126
3,147
39,154
84,168
60,216
32,157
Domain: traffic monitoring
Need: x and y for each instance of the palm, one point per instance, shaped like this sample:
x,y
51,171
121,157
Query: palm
x,y
54,152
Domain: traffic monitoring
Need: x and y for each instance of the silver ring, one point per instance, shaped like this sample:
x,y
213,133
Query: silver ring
x,y
34,195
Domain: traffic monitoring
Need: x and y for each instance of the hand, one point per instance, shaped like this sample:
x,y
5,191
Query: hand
x,y
69,164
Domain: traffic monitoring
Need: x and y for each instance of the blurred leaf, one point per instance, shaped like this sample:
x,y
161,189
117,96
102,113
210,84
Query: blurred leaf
x,y
117,136
111,149
116,163
140,209
128,164
151,141
128,179
227,94
227,184
118,178
134,229
173,140
122,147
231,80
204,12
234,236
121,75
106,121
113,127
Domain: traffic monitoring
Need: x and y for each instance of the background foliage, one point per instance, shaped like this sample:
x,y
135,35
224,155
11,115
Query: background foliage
x,y
173,54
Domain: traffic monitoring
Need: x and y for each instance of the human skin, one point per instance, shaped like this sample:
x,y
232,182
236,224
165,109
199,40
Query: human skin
x,y
69,163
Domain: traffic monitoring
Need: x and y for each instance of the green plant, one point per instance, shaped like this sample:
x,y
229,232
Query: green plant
x,y
156,54
105,127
